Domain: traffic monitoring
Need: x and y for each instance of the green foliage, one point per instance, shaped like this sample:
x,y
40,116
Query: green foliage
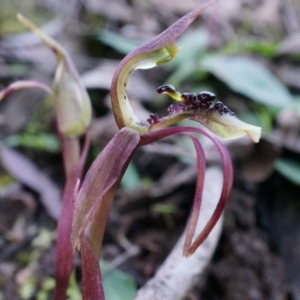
x,y
242,45
131,179
47,286
263,48
289,168
5,180
186,63
73,291
31,285
192,46
117,284
117,42
27,288
43,141
246,76
241,74
167,210
8,24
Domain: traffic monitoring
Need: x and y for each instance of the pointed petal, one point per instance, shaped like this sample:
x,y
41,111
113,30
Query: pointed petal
x,y
227,183
227,126
104,173
198,195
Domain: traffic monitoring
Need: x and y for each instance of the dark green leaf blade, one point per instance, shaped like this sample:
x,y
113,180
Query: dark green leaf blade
x,y
289,168
249,78
126,287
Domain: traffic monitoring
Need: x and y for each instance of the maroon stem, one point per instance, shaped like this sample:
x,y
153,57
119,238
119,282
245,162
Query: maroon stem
x,y
92,288
64,251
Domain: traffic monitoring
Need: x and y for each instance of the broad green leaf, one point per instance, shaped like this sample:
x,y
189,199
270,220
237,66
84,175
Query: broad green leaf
x,y
289,168
267,48
119,43
295,105
192,46
117,284
249,78
184,71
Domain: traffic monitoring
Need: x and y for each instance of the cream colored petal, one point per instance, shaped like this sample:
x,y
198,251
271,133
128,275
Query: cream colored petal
x,y
227,126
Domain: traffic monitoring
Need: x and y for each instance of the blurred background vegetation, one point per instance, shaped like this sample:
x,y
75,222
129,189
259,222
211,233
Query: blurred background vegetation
x,y
247,52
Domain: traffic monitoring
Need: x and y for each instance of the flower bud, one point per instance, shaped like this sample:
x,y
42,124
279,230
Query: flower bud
x,y
71,101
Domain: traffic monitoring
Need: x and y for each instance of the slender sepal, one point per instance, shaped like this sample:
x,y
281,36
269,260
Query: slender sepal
x,y
105,172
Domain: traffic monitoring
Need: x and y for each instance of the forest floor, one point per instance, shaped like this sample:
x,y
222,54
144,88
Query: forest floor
x,y
257,257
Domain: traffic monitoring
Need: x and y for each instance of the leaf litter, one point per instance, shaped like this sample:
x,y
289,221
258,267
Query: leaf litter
x,y
246,258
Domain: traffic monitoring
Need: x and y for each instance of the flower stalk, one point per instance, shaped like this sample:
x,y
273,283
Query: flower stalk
x,y
82,221
73,115
93,200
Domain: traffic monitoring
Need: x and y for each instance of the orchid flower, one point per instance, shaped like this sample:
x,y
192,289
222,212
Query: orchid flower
x,y
94,196
81,224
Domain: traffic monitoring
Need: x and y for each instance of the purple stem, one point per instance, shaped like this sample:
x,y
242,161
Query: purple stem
x,y
92,288
64,250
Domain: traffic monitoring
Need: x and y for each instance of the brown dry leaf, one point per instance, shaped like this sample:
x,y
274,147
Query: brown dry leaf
x,y
15,205
291,44
259,166
23,170
289,73
26,46
183,7
288,119
17,110
269,11
102,130
117,10
174,177
286,134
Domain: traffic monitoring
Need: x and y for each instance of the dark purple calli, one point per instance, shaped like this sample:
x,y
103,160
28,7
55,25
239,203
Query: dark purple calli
x,y
95,195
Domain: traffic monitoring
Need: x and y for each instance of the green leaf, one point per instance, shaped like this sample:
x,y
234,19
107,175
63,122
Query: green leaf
x,y
131,179
73,291
249,78
192,46
289,168
43,141
264,48
119,43
117,284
